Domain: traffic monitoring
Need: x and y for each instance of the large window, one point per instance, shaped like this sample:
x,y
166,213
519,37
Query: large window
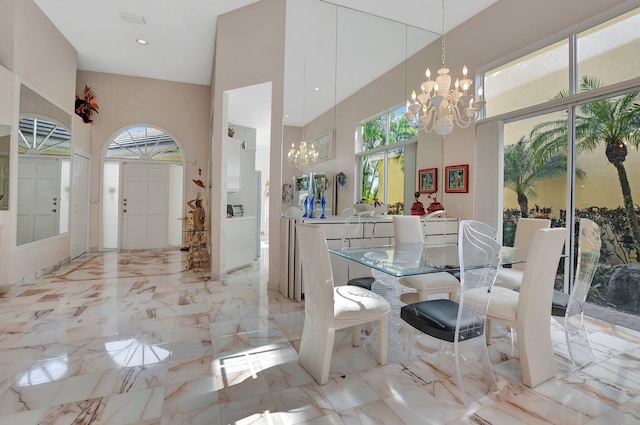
x,y
528,80
381,159
581,160
609,51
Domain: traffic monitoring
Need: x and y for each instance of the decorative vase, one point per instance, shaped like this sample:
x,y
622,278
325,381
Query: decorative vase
x,y
306,210
324,206
312,206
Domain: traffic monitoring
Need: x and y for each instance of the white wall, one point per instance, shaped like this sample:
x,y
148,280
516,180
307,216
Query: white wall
x,y
247,37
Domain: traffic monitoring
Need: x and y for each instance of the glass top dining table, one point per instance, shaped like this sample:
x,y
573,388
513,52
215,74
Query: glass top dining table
x,y
413,259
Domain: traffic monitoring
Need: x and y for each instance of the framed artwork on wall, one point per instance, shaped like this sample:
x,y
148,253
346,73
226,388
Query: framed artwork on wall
x,y
456,178
428,180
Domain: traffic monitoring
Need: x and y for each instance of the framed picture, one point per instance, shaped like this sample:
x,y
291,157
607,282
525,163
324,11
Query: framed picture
x,y
428,180
287,193
456,178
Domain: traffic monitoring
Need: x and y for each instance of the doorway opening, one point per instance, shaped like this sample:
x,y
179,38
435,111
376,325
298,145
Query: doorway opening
x,y
142,190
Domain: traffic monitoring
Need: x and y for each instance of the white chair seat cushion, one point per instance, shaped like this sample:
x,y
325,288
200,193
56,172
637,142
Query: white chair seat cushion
x,y
509,278
352,303
431,281
503,302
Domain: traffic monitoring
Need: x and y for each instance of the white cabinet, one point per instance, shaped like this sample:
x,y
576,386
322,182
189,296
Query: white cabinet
x,y
240,240
438,230
292,285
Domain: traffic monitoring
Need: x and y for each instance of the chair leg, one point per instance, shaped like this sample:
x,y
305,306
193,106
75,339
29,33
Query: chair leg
x,y
537,359
577,339
355,335
383,338
315,353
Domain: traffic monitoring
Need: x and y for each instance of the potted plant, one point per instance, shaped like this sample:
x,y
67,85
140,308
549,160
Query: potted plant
x,y
86,105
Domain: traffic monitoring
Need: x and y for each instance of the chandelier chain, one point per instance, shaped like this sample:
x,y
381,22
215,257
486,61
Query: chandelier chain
x,y
305,154
443,36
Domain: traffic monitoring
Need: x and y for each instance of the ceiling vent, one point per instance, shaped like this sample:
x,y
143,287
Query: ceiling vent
x,y
130,18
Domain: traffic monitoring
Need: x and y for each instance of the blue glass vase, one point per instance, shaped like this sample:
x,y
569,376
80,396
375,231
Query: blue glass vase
x,y
306,207
312,206
324,206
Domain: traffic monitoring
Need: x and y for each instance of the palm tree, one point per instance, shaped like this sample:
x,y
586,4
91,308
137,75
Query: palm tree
x,y
614,122
522,172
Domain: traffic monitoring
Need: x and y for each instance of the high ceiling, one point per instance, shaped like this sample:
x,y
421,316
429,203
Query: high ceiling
x,y
180,36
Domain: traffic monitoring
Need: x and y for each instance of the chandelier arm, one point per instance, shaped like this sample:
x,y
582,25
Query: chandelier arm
x,y
460,118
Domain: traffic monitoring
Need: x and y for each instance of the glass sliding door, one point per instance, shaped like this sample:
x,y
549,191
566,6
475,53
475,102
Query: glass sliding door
x,y
607,139
535,184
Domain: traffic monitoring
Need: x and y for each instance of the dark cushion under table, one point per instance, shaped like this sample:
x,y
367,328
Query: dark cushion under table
x,y
438,318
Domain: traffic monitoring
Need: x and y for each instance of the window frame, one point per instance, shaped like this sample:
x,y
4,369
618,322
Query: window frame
x,y
385,150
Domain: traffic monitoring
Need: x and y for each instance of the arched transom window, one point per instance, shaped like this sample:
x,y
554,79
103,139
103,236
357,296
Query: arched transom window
x,y
146,143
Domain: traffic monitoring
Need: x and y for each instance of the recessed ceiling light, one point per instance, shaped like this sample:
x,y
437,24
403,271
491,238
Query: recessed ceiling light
x,y
316,89
141,41
286,115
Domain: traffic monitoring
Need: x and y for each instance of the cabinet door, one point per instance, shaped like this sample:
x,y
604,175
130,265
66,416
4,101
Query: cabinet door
x,y
234,164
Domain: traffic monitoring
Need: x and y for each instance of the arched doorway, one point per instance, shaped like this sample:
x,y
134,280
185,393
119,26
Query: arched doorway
x,y
142,189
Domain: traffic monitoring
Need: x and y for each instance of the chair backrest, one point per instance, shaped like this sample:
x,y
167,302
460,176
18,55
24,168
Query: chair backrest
x,y
436,214
317,273
525,230
407,229
479,255
536,290
589,244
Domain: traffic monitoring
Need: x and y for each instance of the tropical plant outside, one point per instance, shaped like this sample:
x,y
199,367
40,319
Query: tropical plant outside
x,y
377,133
522,172
614,122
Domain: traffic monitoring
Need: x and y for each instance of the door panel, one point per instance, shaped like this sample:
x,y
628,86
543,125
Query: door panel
x,y
144,206
38,202
80,205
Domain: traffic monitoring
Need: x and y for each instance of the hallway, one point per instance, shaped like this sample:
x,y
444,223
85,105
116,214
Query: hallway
x,y
130,337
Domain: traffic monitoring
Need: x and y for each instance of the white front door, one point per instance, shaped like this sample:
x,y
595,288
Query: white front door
x,y
144,205
38,198
80,205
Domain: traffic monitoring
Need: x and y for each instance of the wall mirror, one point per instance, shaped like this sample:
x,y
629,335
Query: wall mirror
x,y
330,61
5,146
44,160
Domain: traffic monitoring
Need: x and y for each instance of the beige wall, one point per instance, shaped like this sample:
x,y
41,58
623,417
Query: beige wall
x,y
178,108
249,50
6,33
39,56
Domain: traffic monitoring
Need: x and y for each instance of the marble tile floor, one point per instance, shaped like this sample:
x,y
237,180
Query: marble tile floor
x,y
133,338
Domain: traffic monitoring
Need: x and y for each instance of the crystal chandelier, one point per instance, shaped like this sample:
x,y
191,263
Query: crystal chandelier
x,y
306,153
439,108
303,156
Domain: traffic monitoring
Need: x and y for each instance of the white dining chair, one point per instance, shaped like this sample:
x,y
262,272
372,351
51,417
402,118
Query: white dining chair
x,y
358,231
570,307
463,322
407,229
527,311
328,308
525,230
